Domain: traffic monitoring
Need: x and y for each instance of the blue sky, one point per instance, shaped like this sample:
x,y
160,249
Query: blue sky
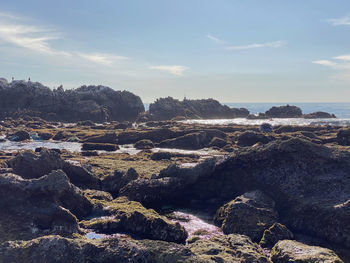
x,y
232,50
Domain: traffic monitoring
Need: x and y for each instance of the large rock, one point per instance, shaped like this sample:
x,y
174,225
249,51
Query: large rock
x,y
113,183
249,214
319,115
343,137
36,207
169,108
129,216
193,141
20,136
284,112
249,138
34,165
288,251
95,103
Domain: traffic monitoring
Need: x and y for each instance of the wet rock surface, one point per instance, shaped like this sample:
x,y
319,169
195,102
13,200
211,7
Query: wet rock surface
x,y
249,214
293,251
288,182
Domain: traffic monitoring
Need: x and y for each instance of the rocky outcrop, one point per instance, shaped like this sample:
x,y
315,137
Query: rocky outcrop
x,y
274,234
288,251
131,217
55,249
144,144
29,165
319,115
284,112
88,146
113,183
37,207
249,214
20,136
169,108
310,184
95,103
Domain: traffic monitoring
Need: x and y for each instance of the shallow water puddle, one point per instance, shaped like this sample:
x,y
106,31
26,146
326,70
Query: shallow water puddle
x,y
32,145
196,224
202,152
94,235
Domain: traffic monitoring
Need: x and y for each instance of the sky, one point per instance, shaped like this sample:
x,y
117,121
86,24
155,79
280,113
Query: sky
x,y
229,50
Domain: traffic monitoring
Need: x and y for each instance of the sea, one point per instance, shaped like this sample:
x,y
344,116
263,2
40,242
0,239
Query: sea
x,y
341,110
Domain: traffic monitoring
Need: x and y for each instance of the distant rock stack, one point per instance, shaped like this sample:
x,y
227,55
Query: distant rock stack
x,y
170,108
95,103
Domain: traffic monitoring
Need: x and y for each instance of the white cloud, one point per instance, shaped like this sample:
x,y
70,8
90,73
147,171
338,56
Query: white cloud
x,y
327,63
340,65
343,21
102,58
39,39
215,39
173,69
275,44
343,57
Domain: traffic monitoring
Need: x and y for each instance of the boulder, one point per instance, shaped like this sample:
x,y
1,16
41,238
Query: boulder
x,y
88,146
319,115
20,136
274,234
249,138
343,137
110,138
144,144
289,251
37,207
113,183
284,112
249,214
132,217
45,135
29,165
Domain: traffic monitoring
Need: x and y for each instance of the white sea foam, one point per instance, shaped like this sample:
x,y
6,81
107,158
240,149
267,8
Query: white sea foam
x,y
274,122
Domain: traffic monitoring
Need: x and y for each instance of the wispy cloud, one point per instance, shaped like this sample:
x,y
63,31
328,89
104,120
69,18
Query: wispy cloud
x,y
340,64
275,44
39,39
173,69
102,58
215,39
343,21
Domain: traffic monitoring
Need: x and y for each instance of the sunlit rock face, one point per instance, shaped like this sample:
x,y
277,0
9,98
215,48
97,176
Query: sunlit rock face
x,y
96,103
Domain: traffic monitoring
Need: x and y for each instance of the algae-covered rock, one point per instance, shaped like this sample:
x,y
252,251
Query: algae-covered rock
x,y
56,249
289,251
132,217
36,207
88,146
113,183
274,234
28,164
20,136
144,144
249,138
343,137
232,248
249,214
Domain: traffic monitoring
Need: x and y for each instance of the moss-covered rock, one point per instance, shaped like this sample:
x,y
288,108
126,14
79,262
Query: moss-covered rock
x,y
129,216
144,144
289,251
249,214
275,233
231,248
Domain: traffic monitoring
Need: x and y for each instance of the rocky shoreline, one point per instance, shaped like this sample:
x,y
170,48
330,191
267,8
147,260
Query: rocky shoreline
x,y
117,192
